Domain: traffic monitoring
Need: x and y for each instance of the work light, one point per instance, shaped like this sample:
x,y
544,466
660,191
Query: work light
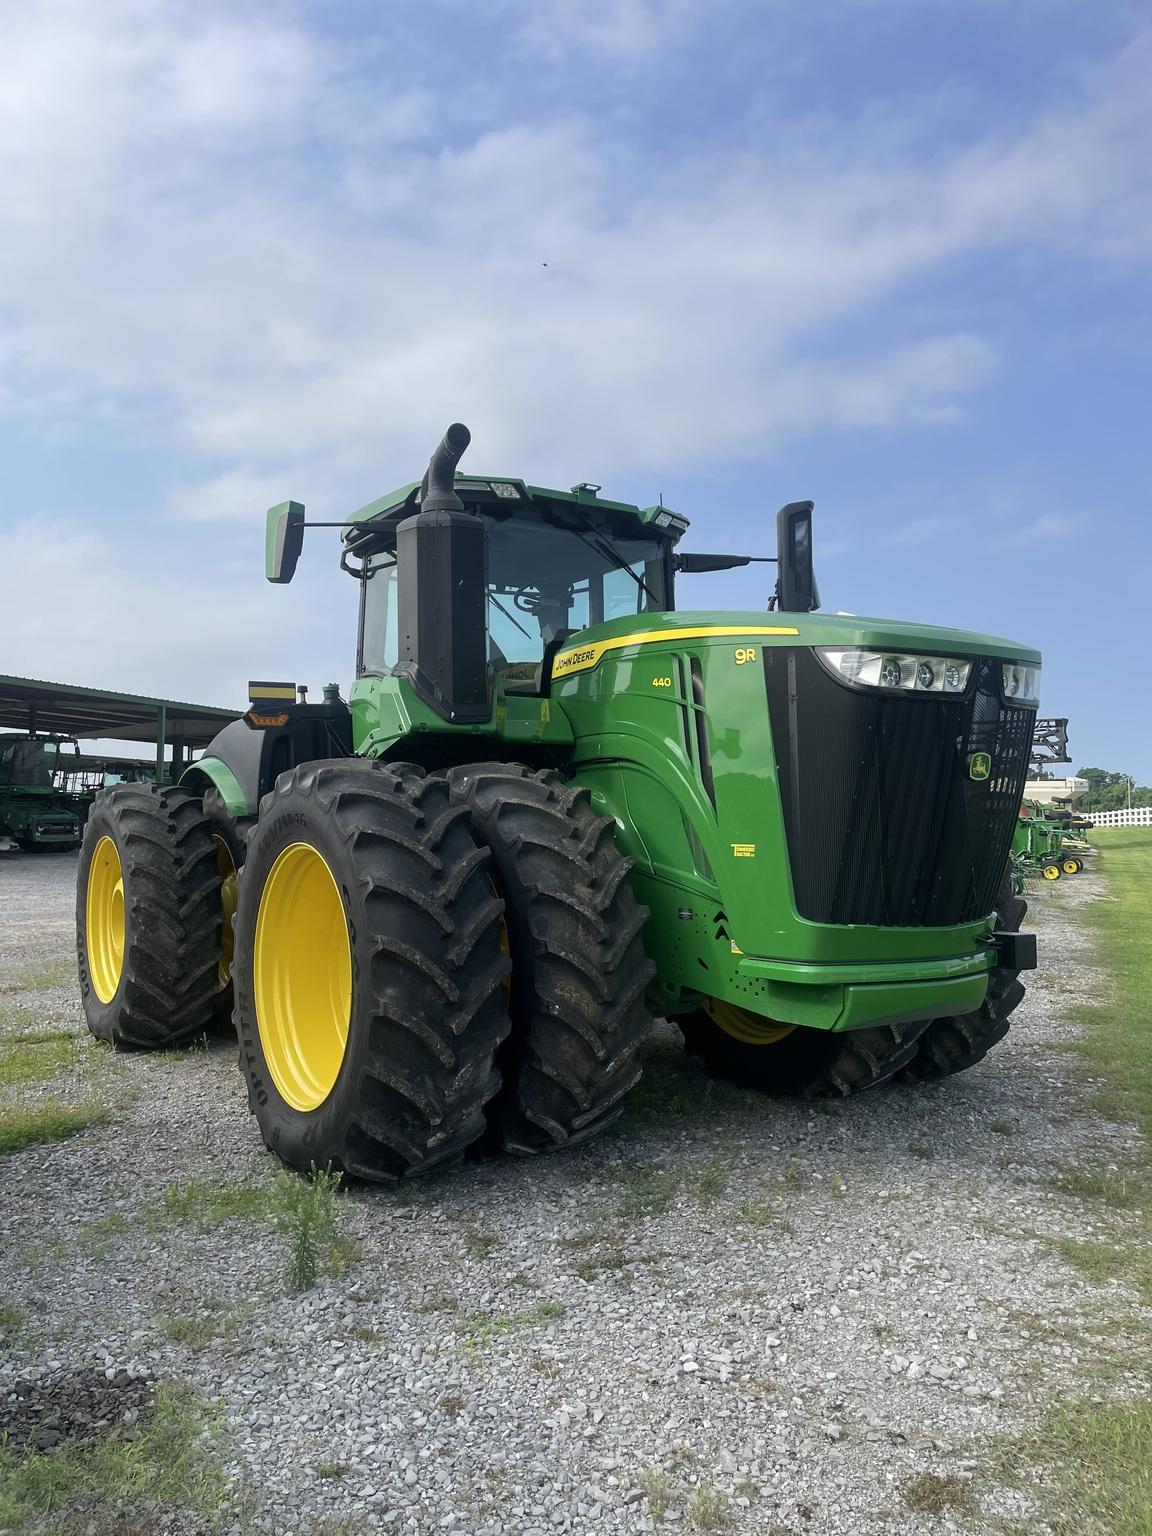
x,y
911,674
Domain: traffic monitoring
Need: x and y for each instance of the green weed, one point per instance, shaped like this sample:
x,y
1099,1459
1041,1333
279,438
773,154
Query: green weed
x,y
707,1509
657,1488
305,1209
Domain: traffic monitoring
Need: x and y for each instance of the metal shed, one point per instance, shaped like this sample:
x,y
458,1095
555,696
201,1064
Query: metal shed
x,y
66,709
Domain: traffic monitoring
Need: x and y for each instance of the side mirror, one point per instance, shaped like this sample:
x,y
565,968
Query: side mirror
x,y
796,583
283,541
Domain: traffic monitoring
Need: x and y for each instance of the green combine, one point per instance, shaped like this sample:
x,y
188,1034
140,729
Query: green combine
x,y
558,804
34,813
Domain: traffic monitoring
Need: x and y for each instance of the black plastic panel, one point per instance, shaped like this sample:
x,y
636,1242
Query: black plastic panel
x,y
884,824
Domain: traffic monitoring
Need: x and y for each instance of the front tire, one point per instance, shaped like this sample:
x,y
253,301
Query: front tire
x,y
367,972
796,1062
148,917
951,1045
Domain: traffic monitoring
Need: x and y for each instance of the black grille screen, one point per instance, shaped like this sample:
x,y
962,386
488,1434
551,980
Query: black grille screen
x,y
884,824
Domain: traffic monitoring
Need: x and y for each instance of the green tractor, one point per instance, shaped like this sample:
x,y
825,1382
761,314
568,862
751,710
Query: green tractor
x,y
34,813
444,914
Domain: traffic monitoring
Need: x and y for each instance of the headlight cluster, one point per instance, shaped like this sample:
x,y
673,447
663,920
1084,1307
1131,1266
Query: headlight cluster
x,y
892,669
1021,683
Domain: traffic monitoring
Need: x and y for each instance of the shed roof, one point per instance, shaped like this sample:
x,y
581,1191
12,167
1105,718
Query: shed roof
x,y
65,709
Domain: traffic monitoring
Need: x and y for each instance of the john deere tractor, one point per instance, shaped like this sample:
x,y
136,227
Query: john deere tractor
x,y
444,913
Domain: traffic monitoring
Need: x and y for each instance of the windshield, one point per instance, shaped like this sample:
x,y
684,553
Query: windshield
x,y
544,584
27,763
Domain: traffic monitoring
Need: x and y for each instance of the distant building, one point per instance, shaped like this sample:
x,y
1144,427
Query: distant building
x,y
1056,791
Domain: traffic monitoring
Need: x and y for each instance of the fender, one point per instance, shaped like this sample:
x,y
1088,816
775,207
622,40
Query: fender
x,y
244,760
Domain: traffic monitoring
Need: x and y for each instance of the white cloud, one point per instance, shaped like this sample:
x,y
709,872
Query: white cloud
x,y
198,208
1045,529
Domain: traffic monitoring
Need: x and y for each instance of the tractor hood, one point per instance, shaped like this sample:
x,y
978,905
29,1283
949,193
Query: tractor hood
x,y
589,648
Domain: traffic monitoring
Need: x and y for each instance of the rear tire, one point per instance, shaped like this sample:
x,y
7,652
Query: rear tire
x,y
405,959
579,971
805,1063
163,924
952,1045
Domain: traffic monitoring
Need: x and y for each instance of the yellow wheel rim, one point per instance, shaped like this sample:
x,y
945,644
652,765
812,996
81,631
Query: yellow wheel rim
x,y
1051,871
1070,866
104,919
748,1028
229,893
302,977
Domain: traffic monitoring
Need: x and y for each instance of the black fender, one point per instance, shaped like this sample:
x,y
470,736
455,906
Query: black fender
x,y
244,760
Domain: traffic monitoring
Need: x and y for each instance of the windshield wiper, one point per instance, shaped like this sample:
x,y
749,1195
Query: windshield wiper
x,y
597,542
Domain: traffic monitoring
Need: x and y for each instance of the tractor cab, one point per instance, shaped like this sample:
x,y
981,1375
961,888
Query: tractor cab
x,y
547,565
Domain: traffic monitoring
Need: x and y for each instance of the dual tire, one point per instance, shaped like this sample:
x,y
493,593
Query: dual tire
x,y
423,965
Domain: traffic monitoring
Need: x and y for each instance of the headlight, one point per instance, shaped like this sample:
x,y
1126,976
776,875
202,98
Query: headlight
x,y
894,669
1021,683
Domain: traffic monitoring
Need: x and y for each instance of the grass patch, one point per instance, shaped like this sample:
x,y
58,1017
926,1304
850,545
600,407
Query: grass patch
x,y
201,1323
1099,1459
483,1328
41,976
1105,1261
1115,1047
49,1122
647,1191
1109,1188
306,1210
33,1057
933,1494
171,1462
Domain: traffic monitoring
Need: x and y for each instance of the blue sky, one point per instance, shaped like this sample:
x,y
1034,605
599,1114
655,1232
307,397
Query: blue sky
x,y
889,254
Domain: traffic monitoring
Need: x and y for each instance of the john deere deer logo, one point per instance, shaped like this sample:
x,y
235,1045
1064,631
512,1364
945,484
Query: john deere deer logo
x,y
979,766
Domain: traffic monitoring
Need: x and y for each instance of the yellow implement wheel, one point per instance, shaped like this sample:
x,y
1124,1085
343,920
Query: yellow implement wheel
x,y
302,976
1051,871
105,919
748,1028
1072,866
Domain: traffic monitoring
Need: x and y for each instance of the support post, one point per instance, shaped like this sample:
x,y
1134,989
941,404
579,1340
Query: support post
x,y
161,732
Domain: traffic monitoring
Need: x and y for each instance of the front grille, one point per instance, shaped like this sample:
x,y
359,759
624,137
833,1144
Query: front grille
x,y
884,824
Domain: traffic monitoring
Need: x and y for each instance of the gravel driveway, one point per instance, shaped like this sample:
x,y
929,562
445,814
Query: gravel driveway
x,y
730,1312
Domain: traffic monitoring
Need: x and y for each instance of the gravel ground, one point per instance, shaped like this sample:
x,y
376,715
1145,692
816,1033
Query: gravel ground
x,y
729,1310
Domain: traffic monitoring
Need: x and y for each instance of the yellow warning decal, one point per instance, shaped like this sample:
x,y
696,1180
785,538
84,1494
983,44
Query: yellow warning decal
x,y
744,850
583,658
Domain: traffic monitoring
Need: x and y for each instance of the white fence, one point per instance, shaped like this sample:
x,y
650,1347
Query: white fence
x,y
1140,816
